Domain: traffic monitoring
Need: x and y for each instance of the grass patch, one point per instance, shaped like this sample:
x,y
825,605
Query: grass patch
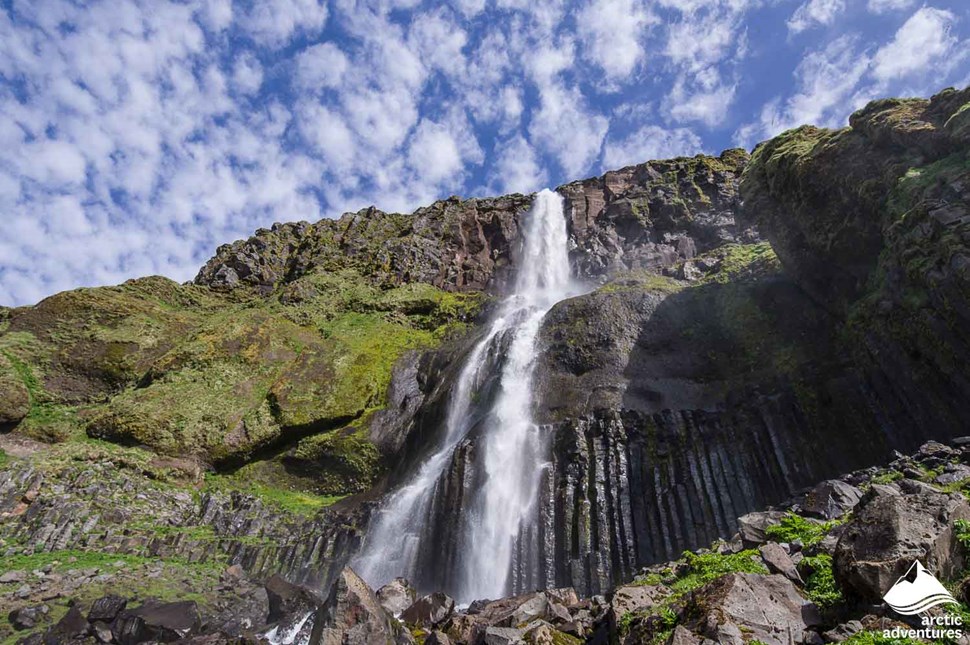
x,y
706,567
795,527
303,503
4,458
820,584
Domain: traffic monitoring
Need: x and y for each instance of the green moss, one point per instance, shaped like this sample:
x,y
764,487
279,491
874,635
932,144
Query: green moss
x,y
738,261
795,527
4,458
272,493
642,280
706,567
887,477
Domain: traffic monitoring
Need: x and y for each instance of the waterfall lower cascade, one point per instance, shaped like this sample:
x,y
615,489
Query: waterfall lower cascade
x,y
508,451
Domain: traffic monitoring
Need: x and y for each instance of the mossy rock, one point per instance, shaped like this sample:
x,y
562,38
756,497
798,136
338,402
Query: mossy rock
x,y
14,397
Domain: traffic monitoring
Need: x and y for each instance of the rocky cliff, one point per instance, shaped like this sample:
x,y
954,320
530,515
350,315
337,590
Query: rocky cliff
x,y
753,325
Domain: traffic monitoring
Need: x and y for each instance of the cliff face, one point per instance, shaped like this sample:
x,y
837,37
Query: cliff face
x,y
757,324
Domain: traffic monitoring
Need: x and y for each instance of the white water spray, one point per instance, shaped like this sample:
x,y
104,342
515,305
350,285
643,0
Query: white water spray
x,y
511,449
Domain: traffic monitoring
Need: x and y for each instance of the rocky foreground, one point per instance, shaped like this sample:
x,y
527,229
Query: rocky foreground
x,y
812,570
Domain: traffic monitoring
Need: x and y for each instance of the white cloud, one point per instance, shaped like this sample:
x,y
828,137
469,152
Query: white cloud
x,y
321,66
611,32
433,152
565,127
517,168
922,40
274,23
828,80
650,142
815,13
885,6
247,74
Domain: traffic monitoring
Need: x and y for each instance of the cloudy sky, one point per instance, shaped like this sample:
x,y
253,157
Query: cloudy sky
x,y
135,137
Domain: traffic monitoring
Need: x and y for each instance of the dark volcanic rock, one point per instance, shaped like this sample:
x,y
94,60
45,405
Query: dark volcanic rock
x,y
163,622
352,615
890,530
429,611
106,609
286,599
830,499
69,628
28,617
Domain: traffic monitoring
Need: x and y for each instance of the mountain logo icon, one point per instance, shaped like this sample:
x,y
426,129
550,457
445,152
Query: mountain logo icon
x,y
916,591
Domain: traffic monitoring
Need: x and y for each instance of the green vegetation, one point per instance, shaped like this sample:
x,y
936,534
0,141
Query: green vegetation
x,y
795,527
887,477
4,458
643,280
962,530
739,261
273,491
706,567
820,584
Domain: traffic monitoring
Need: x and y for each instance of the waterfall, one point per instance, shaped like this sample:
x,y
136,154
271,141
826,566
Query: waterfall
x,y
509,453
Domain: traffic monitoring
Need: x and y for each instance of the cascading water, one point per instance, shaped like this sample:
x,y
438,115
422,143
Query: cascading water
x,y
509,454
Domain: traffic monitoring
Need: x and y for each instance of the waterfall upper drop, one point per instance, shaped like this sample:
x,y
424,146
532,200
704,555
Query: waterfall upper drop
x,y
488,425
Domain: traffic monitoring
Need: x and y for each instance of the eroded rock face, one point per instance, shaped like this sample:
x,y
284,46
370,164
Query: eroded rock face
x,y
652,215
646,216
891,529
874,222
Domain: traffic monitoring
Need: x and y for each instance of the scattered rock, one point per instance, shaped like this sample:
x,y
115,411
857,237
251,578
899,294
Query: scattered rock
x,y
287,599
843,631
11,577
890,531
164,622
778,561
106,609
751,527
397,595
503,636
72,626
830,499
429,611
352,615
28,617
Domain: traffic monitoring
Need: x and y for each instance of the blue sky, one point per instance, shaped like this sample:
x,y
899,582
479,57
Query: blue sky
x,y
135,137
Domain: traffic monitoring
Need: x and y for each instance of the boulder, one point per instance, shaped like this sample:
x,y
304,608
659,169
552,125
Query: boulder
x,y
352,615
287,599
830,499
751,527
429,611
71,627
437,638
106,609
889,531
503,636
397,595
741,607
162,622
635,597
28,617
778,561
